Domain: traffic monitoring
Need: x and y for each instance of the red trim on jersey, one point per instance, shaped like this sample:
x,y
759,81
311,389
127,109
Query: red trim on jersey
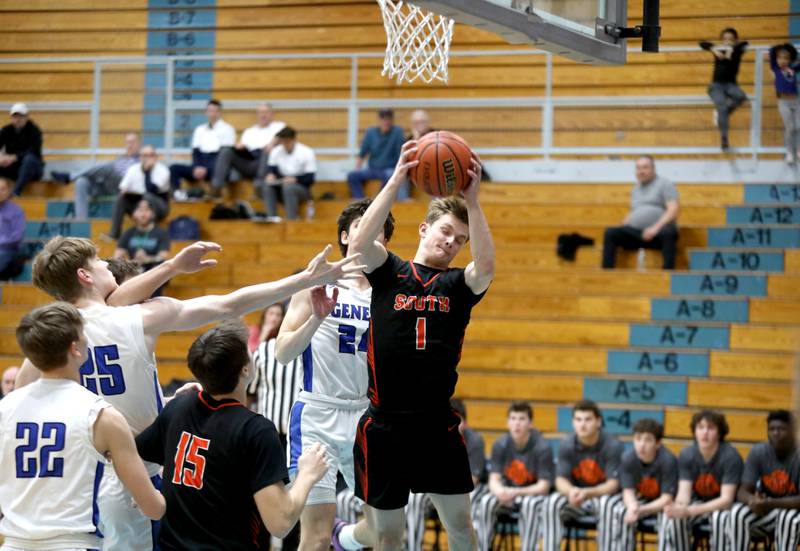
x,y
373,390
216,408
416,275
362,441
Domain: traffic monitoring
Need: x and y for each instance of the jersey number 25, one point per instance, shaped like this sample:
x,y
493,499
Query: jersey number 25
x,y
100,370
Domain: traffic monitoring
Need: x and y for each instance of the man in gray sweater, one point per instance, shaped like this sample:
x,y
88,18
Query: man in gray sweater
x,y
651,223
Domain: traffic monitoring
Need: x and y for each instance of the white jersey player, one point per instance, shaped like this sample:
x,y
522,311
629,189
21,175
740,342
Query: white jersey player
x,y
121,341
329,327
53,437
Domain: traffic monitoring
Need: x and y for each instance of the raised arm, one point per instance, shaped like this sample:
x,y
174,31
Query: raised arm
x,y
306,312
166,314
27,374
479,273
113,435
373,254
188,260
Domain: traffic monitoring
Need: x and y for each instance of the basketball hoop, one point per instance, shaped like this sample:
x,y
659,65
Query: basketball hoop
x,y
417,42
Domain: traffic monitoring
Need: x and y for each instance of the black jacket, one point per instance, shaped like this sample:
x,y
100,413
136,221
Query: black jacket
x,y
19,143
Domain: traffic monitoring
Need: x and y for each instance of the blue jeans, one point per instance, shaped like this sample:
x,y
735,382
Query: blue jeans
x,y
27,169
356,179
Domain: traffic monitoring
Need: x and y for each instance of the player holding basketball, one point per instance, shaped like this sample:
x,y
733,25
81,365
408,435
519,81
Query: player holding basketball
x,y
121,365
330,330
408,440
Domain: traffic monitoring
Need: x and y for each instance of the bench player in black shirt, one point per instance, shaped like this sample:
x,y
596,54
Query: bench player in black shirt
x,y
224,466
408,440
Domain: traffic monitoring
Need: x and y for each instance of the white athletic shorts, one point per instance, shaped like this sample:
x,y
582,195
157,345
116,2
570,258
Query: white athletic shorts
x,y
122,523
333,423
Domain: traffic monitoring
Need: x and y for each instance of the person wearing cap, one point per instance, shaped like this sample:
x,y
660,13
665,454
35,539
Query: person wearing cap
x,y
381,149
147,180
21,149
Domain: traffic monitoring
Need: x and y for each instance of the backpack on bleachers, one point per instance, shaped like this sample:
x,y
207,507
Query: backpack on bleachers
x,y
184,228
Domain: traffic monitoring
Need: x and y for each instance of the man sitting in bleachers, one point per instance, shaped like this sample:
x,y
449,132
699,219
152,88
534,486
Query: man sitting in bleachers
x,y
103,179
249,156
380,148
648,475
292,169
587,478
521,476
12,229
651,222
21,149
207,140
709,473
769,497
148,180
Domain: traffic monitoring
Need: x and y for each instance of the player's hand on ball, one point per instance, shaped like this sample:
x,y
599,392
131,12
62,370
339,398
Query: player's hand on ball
x,y
190,259
470,193
322,304
322,272
407,160
314,461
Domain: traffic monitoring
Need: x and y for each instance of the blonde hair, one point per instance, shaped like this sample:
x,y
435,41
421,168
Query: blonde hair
x,y
46,333
55,267
447,205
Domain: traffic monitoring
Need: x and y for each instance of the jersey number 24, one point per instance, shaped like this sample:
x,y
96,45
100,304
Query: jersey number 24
x,y
347,339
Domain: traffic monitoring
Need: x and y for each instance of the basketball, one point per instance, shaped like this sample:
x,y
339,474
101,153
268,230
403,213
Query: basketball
x,y
444,159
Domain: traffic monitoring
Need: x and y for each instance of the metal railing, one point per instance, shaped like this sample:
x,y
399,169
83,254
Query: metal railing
x,y
354,104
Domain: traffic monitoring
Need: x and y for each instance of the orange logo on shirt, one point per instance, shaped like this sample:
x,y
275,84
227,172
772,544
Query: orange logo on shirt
x,y
518,473
706,486
589,472
779,484
648,488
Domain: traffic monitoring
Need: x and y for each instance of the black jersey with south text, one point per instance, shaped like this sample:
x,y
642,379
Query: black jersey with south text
x,y
418,319
216,455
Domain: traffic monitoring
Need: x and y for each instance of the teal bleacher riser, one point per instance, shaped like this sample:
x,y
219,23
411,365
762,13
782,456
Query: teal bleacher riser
x,y
742,260
766,237
717,283
635,391
615,420
706,309
679,336
66,209
658,362
771,193
777,214
44,229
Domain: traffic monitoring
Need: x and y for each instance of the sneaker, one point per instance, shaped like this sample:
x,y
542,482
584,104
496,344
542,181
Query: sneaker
x,y
725,145
338,524
180,195
267,219
789,159
60,177
715,118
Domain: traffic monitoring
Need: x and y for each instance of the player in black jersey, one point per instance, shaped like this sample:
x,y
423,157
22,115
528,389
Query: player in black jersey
x,y
408,440
224,466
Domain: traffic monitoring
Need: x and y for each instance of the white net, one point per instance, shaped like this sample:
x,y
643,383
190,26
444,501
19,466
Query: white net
x,y
417,42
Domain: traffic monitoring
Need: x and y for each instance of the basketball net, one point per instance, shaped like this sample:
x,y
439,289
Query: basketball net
x,y
417,42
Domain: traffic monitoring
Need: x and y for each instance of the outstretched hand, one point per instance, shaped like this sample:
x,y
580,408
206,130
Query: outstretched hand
x,y
470,193
190,259
322,304
322,272
407,160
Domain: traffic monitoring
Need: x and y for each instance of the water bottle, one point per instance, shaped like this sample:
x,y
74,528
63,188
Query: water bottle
x,y
641,260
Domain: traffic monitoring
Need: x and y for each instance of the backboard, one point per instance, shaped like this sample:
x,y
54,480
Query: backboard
x,y
572,28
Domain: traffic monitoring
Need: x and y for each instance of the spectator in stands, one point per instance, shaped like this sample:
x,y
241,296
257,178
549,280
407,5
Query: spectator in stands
x,y
381,149
520,479
123,269
268,325
103,179
12,227
723,90
146,243
249,156
149,180
769,500
648,475
709,472
420,505
291,173
420,125
784,65
21,149
587,478
652,220
9,378
207,141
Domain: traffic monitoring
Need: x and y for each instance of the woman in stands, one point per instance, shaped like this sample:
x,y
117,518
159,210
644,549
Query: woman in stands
x,y
783,61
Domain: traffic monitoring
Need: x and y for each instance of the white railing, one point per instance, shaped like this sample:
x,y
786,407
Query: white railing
x,y
353,104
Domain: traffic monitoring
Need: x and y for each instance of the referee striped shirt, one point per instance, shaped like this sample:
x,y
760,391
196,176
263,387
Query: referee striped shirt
x,y
275,385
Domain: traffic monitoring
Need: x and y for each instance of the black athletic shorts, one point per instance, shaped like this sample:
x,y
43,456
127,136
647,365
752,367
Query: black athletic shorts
x,y
397,453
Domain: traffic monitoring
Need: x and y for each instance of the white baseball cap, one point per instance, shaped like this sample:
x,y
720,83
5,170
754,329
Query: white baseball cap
x,y
19,109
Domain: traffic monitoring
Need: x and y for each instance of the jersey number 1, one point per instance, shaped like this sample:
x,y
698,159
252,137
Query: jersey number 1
x,y
189,448
421,326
